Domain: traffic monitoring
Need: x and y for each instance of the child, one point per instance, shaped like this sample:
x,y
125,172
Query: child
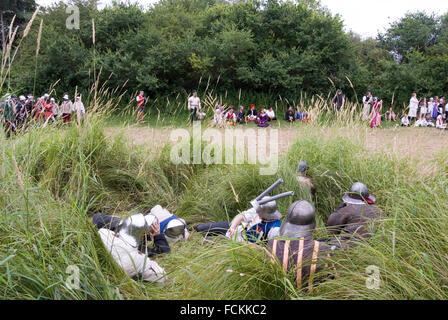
x,y
405,121
231,117
439,123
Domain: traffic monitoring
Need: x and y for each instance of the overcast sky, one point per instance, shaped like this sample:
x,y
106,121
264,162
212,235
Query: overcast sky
x,y
365,17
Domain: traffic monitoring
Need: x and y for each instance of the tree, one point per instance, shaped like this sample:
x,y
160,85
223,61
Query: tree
x,y
11,8
415,31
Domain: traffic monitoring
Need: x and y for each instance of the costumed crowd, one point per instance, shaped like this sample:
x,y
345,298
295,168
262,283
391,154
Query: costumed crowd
x,y
18,111
423,112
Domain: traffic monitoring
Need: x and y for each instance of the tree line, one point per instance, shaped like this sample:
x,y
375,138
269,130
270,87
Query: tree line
x,y
274,47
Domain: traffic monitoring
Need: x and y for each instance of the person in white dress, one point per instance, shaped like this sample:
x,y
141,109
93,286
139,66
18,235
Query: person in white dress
x,y
413,107
405,121
366,100
430,107
423,109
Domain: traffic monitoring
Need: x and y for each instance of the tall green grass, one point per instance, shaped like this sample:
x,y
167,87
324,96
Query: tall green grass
x,y
53,180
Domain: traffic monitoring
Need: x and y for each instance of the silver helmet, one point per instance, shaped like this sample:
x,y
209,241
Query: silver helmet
x,y
176,230
358,194
303,166
300,221
269,211
133,228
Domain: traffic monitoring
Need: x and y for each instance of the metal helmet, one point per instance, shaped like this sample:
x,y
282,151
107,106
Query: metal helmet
x,y
133,228
358,194
175,230
300,221
269,211
303,166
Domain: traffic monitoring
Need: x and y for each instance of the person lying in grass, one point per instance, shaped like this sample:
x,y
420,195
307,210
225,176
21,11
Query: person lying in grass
x,y
172,228
295,248
350,221
252,225
128,247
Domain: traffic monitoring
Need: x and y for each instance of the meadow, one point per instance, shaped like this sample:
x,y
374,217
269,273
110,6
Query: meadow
x,y
53,180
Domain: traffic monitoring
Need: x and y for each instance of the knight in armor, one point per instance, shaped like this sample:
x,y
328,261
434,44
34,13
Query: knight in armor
x,y
158,240
127,245
304,180
295,248
351,219
174,228
260,223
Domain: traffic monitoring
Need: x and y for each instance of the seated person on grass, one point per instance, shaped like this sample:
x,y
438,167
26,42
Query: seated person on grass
x,y
289,115
231,117
405,121
240,116
271,114
263,119
251,114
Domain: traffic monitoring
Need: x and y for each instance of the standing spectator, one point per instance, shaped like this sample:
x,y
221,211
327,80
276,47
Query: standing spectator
x,y
430,107
423,108
289,115
6,107
240,116
55,108
339,100
252,114
366,100
435,108
446,112
78,108
48,111
141,101
20,112
38,108
413,107
66,109
441,107
376,116
13,102
271,114
194,104
29,103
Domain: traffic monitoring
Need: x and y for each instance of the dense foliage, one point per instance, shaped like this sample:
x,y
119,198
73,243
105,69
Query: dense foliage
x,y
262,46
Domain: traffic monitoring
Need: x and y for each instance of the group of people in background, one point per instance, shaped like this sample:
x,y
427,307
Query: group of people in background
x,y
424,113
18,111
226,116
